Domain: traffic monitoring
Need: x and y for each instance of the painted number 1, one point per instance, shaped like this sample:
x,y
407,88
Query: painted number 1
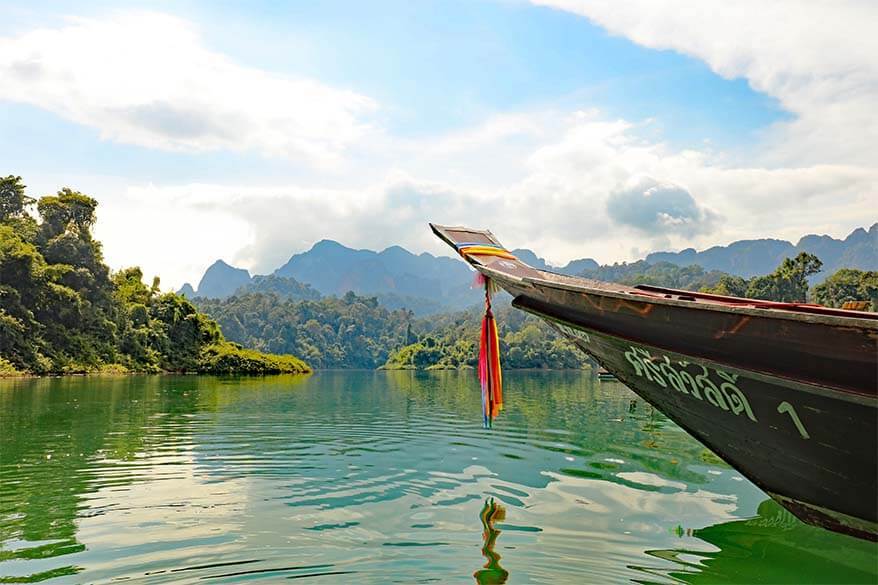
x,y
786,407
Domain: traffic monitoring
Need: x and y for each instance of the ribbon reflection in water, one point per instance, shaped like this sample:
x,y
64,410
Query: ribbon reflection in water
x,y
492,571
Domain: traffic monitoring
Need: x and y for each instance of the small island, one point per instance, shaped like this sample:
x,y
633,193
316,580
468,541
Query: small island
x,y
63,311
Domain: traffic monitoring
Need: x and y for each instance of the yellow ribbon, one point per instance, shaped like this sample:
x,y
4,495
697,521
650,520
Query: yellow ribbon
x,y
485,251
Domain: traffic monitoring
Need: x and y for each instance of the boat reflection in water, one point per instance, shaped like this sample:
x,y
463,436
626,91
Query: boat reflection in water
x,y
492,572
763,550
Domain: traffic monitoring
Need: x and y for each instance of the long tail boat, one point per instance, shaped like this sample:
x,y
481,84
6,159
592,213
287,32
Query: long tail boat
x,y
786,393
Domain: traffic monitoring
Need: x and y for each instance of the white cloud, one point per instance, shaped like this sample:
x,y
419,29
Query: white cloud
x,y
541,178
817,58
147,79
555,201
256,227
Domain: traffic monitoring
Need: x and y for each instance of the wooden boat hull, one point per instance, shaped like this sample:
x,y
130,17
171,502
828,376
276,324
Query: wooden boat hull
x,y
801,447
789,400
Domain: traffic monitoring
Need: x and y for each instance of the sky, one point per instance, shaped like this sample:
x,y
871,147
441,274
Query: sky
x,y
248,131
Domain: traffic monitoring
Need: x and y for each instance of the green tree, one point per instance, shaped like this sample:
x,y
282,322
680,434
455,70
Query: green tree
x,y
728,285
788,283
663,274
24,286
13,201
67,211
796,271
181,332
848,284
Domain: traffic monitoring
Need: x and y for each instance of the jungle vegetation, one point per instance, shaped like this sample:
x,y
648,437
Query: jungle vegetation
x,y
788,283
665,274
846,285
331,332
279,314
63,311
358,332
449,342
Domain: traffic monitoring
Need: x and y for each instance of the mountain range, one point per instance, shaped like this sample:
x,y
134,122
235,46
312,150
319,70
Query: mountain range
x,y
749,258
429,284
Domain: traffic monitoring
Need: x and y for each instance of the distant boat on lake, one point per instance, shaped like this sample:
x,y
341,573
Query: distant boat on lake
x,y
787,393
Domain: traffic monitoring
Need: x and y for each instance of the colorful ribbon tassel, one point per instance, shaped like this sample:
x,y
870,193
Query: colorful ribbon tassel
x,y
490,375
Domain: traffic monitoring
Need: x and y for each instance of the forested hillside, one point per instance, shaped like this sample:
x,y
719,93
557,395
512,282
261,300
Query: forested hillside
x,y
63,311
847,285
449,341
347,332
789,283
357,332
288,288
661,274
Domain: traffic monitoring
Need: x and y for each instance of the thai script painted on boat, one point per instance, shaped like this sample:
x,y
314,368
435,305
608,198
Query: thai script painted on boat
x,y
719,388
570,331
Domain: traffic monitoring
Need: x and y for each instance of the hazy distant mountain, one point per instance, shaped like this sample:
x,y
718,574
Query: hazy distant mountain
x,y
423,283
744,258
334,269
221,280
287,288
528,257
573,267
187,291
749,258
428,284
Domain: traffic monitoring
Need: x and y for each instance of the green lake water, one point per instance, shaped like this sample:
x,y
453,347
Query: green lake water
x,y
381,477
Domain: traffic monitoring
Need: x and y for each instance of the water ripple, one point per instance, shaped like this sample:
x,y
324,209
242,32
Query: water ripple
x,y
370,478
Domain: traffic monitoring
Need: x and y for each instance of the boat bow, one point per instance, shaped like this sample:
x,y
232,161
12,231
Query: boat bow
x,y
784,392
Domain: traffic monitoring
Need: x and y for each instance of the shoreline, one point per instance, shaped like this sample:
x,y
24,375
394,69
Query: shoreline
x,y
25,375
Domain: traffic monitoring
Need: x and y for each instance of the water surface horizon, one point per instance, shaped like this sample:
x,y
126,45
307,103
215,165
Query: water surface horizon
x,y
381,477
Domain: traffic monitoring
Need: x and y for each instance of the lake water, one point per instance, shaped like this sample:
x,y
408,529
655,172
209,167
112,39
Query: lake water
x,y
380,477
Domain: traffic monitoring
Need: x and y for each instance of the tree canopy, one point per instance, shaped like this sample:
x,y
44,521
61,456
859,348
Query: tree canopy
x,y
13,200
847,285
449,342
665,274
348,332
788,283
62,311
358,332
